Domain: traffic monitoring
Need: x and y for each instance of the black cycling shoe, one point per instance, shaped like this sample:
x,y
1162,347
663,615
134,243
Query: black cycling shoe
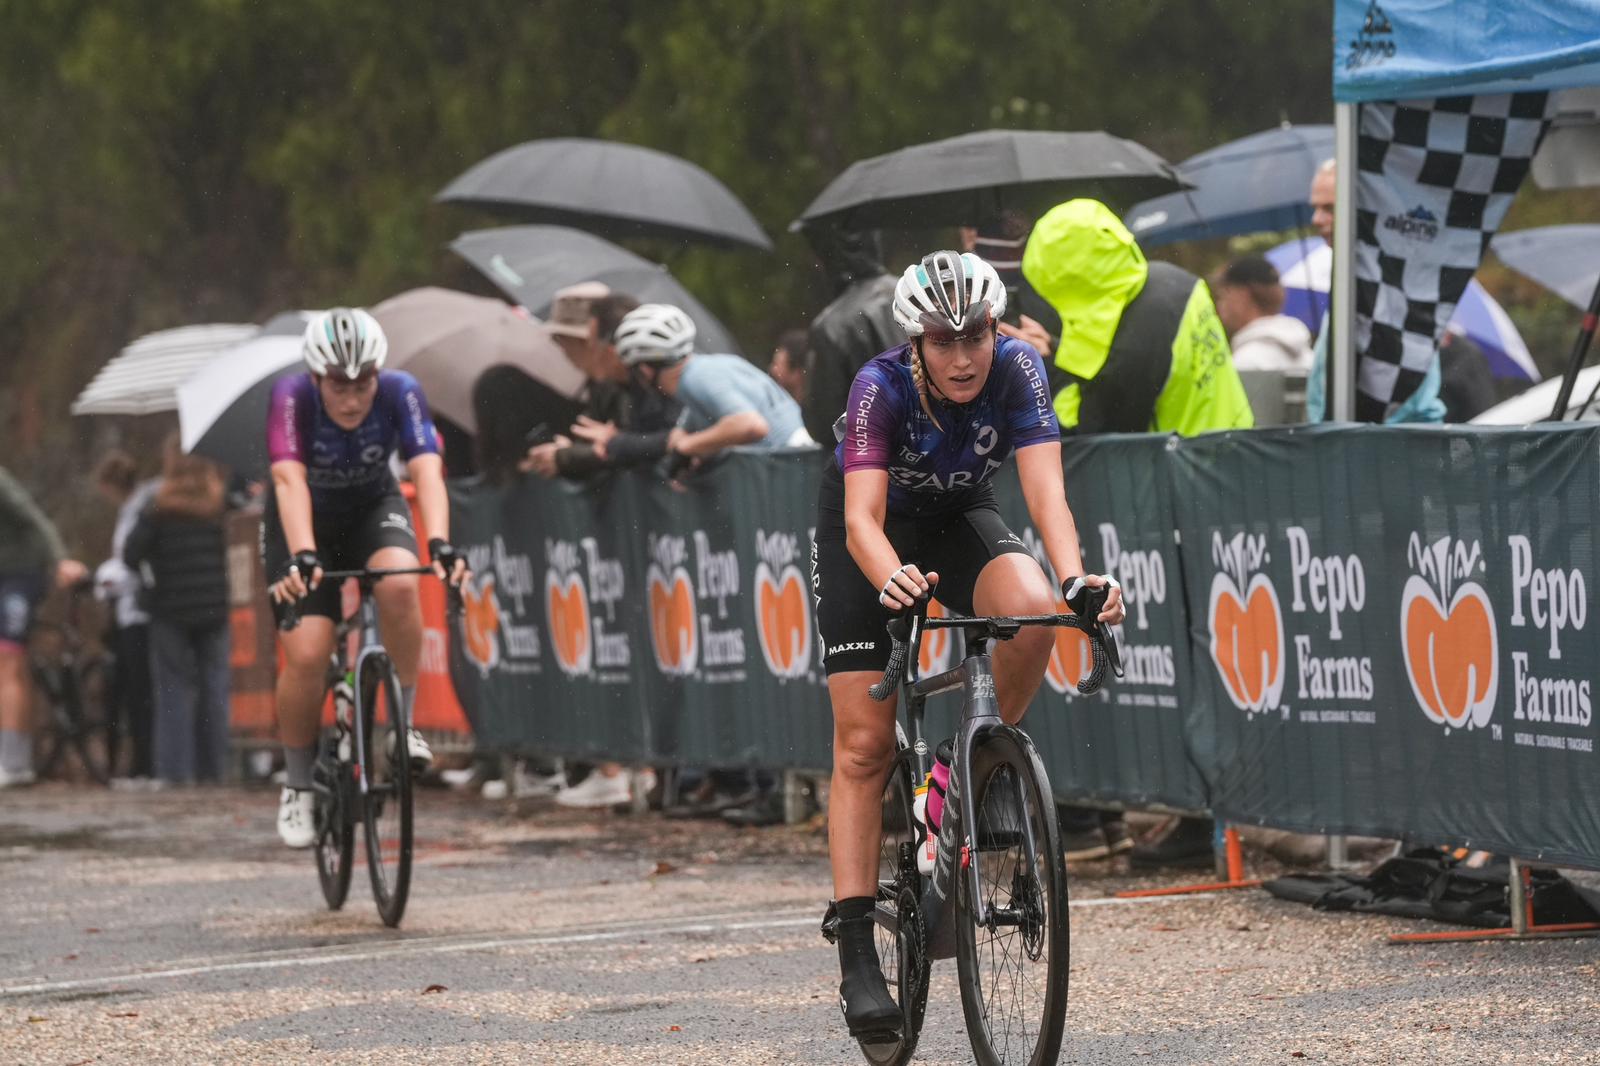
x,y
871,1013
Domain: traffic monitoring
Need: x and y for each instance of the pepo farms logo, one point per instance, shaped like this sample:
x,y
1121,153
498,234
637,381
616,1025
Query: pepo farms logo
x,y
783,618
567,608
1447,634
480,623
672,606
938,645
1246,623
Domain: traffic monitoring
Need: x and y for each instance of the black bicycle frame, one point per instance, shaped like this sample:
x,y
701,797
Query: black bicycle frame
x,y
980,718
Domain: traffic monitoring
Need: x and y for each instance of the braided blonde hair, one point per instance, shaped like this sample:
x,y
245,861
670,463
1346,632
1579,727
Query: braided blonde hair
x,y
918,375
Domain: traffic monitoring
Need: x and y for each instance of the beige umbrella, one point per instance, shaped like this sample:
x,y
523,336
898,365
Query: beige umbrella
x,y
445,339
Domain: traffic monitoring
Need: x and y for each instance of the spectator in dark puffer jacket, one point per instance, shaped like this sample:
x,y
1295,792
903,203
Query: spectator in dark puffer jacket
x,y
179,547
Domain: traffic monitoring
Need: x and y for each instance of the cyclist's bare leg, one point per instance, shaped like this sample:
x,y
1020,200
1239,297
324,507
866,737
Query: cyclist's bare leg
x,y
1013,584
399,612
16,689
303,680
863,747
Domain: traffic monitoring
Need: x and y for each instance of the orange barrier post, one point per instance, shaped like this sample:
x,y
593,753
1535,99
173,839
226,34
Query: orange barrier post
x,y
1523,926
1233,854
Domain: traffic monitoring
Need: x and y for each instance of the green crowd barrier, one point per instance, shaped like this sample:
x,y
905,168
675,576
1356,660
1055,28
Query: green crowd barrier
x,y
1377,630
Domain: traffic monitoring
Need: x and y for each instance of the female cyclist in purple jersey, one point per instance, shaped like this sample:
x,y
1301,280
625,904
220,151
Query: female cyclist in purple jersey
x,y
906,510
335,505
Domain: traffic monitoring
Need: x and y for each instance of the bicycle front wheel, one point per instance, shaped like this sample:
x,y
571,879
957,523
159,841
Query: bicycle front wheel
x,y
1014,966
95,736
335,823
386,808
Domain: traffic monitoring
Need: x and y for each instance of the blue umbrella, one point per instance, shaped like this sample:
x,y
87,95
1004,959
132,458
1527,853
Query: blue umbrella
x,y
1564,259
1305,267
1257,183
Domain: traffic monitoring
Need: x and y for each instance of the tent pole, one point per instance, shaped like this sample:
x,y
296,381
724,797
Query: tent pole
x,y
1342,313
1580,351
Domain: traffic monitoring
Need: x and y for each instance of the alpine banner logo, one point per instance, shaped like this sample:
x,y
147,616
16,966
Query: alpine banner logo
x,y
1246,623
1447,634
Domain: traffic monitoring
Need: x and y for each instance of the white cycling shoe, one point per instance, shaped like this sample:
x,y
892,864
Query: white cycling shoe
x,y
417,746
296,824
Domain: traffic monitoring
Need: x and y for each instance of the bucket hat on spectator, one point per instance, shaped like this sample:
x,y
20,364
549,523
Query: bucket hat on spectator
x,y
571,307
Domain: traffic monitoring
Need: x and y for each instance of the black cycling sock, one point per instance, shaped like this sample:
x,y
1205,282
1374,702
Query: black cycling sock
x,y
863,993
297,766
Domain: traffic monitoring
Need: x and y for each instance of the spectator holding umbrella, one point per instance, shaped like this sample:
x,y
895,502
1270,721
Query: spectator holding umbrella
x,y
179,547
855,326
117,479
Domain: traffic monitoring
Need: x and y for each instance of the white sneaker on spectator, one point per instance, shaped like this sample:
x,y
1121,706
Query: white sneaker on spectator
x,y
598,790
526,785
16,778
495,789
296,826
459,778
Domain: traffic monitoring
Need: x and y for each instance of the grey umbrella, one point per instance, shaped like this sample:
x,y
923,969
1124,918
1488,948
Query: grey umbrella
x,y
967,180
621,190
530,263
1564,259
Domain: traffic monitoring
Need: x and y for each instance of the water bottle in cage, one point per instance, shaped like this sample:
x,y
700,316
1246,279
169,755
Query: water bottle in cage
x,y
929,807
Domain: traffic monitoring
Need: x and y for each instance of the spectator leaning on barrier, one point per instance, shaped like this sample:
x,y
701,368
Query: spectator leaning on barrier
x,y
179,546
33,557
855,326
117,479
1141,350
1422,405
624,421
1249,299
726,400
791,364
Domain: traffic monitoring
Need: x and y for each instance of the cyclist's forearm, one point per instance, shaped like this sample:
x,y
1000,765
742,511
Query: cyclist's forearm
x,y
1044,491
865,505
293,497
433,499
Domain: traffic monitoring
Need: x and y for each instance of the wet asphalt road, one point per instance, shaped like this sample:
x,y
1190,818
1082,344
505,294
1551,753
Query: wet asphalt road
x,y
170,928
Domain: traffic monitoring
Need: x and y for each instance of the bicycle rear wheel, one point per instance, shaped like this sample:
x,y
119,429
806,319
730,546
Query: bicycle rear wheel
x,y
335,821
901,950
1014,968
95,736
386,808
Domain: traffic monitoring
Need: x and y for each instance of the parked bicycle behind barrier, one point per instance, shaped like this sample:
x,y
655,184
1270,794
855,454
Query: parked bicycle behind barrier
x,y
360,775
995,895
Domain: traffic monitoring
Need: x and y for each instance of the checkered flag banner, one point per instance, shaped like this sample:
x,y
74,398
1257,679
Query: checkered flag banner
x,y
1435,178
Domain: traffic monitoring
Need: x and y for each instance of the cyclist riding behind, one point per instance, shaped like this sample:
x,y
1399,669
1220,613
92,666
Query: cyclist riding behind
x,y
906,509
335,505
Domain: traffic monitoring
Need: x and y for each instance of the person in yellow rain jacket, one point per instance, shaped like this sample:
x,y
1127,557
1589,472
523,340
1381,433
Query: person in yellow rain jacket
x,y
1141,347
1141,350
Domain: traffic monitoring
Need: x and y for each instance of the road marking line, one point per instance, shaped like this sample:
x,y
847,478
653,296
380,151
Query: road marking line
x,y
435,946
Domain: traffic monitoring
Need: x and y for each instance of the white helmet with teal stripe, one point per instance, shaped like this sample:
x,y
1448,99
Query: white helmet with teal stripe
x,y
948,292
346,340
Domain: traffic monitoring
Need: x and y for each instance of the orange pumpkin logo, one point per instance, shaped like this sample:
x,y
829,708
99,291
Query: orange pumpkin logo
x,y
480,624
672,620
1247,644
567,606
783,621
1071,658
937,644
1452,655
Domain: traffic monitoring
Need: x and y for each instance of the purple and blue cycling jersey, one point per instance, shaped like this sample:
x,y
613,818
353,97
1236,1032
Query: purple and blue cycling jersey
x,y
348,468
885,427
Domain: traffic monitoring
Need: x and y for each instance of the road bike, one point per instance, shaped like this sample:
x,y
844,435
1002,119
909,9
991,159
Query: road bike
x,y
360,775
997,897
72,686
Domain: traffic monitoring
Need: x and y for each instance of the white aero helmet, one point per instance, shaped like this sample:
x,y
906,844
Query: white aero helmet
x,y
654,333
948,291
346,341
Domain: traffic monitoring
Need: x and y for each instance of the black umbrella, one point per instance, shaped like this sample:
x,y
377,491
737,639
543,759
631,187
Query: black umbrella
x,y
621,190
530,263
969,179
